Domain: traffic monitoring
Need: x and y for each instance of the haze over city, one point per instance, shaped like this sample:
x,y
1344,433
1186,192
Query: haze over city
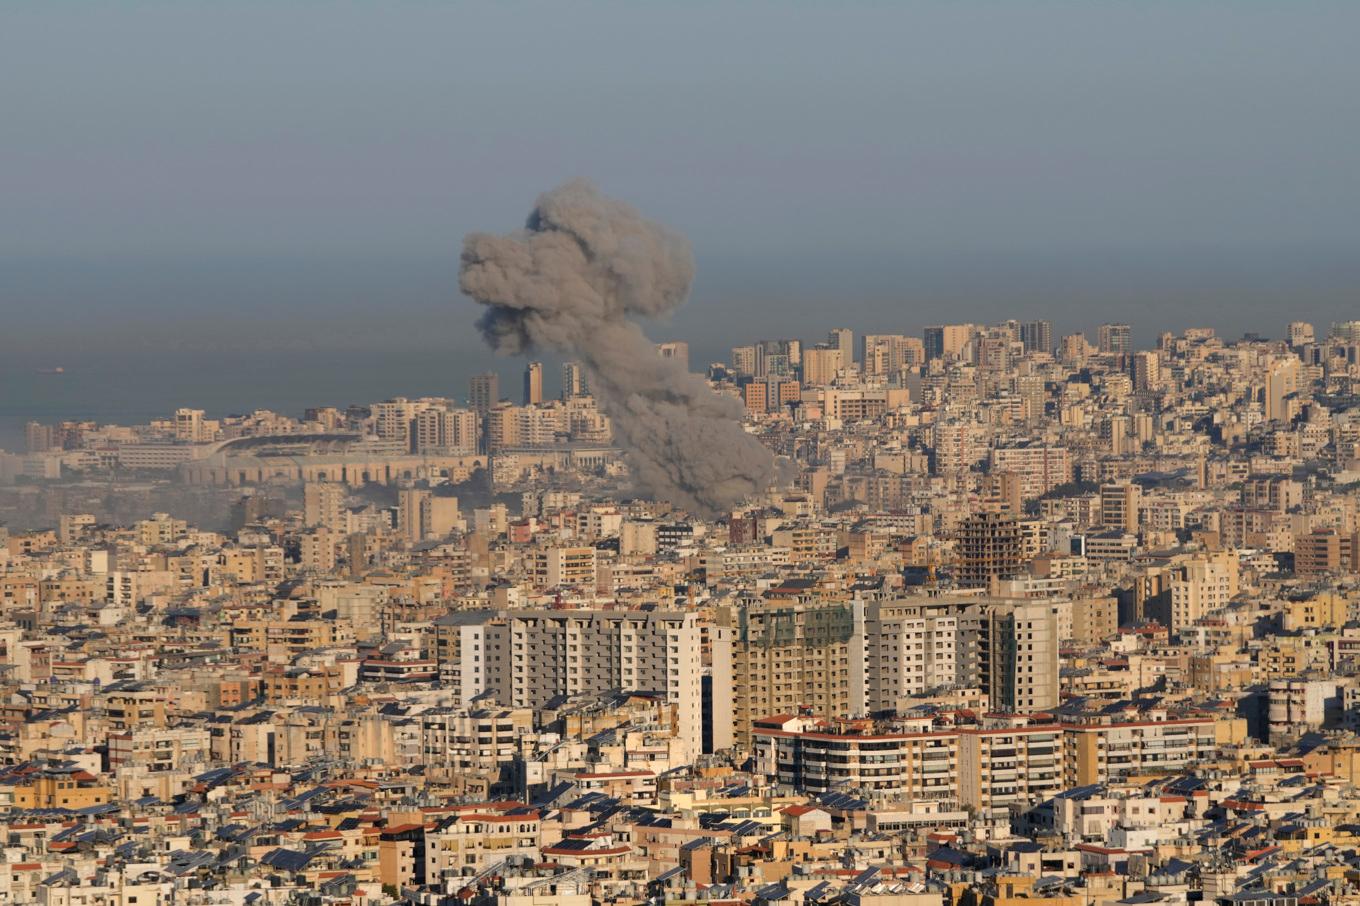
x,y
679,454
177,175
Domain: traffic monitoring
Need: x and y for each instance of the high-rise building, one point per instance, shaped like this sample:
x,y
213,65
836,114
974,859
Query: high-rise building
x,y
1147,370
1300,333
189,425
1032,391
821,364
785,655
1282,380
1041,467
392,419
1037,336
323,503
1018,656
1115,339
1119,507
1075,350
1346,332
955,446
38,437
524,659
447,429
484,391
1118,431
409,503
744,361
421,515
887,354
1200,585
755,394
573,381
776,358
843,338
947,340
913,646
990,548
533,383
1326,550
502,427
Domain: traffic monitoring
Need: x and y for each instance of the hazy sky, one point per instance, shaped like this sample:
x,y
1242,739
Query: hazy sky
x,y
277,191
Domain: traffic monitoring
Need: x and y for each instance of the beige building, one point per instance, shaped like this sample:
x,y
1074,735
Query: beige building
x,y
1111,752
562,567
787,655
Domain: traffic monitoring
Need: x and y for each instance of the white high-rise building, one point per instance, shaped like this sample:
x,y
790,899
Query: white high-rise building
x,y
528,657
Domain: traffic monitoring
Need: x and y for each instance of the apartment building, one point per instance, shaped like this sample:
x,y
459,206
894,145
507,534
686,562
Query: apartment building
x,y
323,504
526,658
1326,551
1018,656
911,647
1178,592
1040,466
806,542
481,744
1119,507
989,767
949,340
785,655
1114,751
909,761
562,567
158,749
468,842
992,766
1004,763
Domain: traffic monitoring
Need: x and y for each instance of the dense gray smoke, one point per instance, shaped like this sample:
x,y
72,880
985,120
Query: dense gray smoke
x,y
569,281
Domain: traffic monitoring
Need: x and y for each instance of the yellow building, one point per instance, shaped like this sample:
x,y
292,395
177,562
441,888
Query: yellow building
x,y
1104,753
59,789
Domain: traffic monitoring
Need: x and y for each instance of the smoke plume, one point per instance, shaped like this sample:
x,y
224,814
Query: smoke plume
x,y
569,282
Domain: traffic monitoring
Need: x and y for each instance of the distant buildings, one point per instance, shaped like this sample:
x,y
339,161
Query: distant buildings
x,y
533,383
1114,339
1022,622
484,391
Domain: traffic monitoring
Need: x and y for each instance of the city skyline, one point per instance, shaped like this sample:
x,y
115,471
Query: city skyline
x,y
954,165
84,393
599,453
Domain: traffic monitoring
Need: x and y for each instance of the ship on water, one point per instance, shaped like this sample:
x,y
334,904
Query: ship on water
x,y
58,370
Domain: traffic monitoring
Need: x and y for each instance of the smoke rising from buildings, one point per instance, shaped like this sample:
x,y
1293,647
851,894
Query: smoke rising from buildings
x,y
569,281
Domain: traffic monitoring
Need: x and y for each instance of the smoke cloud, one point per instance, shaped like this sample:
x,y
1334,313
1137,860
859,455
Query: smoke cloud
x,y
569,281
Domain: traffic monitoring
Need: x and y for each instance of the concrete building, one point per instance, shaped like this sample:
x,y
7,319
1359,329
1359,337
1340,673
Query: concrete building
x,y
1113,751
533,383
1114,339
1018,656
484,391
989,548
524,659
1040,466
785,656
1119,507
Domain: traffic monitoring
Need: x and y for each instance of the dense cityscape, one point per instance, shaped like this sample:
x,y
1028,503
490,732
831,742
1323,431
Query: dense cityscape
x,y
1018,619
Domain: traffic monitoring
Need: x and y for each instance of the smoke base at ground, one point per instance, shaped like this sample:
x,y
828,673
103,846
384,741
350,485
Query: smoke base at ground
x,y
570,281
